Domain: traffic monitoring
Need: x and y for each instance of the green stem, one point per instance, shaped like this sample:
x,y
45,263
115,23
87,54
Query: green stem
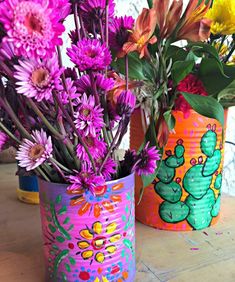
x,y
61,166
12,136
41,172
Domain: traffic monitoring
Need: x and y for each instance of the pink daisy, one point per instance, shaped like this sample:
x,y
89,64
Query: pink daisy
x,y
37,79
108,169
84,180
103,84
90,54
3,139
96,147
71,92
33,27
89,117
32,154
147,160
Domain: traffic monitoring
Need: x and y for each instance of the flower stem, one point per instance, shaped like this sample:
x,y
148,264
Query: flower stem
x,y
107,22
127,72
41,172
76,20
60,165
12,136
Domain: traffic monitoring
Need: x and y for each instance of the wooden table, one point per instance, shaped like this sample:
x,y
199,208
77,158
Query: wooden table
x,y
203,256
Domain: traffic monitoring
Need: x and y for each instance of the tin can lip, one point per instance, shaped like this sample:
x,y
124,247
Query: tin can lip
x,y
129,177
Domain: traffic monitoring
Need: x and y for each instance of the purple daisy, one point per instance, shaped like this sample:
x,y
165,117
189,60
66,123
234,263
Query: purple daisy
x,y
32,154
108,169
37,79
103,84
3,139
84,180
90,54
89,117
33,27
93,11
71,92
146,160
96,147
120,29
125,103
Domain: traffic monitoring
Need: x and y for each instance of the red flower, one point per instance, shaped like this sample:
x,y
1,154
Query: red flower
x,y
190,84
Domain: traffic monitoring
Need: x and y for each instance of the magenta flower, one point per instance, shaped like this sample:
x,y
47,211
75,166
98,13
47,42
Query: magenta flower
x,y
147,159
37,79
70,93
33,27
103,84
93,11
90,54
32,154
96,148
125,103
120,28
84,180
6,51
108,169
63,7
3,139
89,117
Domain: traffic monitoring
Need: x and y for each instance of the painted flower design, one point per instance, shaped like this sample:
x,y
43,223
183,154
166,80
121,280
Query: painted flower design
x,y
100,199
98,242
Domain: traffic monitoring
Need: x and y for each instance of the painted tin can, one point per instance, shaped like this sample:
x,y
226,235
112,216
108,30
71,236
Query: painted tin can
x,y
89,237
186,194
28,189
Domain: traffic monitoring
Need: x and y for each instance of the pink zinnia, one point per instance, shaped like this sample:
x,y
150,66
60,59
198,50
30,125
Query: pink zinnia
x,y
37,79
103,84
190,84
33,27
89,117
90,54
109,168
84,180
147,160
32,154
96,148
3,139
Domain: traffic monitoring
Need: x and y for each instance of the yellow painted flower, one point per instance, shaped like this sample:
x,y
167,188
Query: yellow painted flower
x,y
104,279
222,14
98,242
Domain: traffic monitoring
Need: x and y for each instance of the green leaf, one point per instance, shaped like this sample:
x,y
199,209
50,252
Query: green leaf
x,y
212,78
58,199
63,210
176,53
200,49
60,239
67,219
71,227
150,3
180,70
135,66
72,260
128,243
228,92
67,266
206,106
52,228
170,119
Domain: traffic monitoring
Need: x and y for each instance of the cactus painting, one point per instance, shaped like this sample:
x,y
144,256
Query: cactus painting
x,y
199,182
186,193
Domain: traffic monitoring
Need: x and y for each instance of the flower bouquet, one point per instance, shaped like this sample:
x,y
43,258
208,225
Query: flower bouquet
x,y
67,125
184,58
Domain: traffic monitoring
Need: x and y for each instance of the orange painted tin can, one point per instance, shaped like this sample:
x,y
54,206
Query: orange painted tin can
x,y
186,194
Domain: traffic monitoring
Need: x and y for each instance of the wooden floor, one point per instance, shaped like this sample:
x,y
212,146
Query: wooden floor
x,y
203,256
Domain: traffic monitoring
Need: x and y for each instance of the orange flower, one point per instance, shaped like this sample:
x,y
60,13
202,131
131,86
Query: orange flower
x,y
168,16
162,130
142,34
119,86
195,26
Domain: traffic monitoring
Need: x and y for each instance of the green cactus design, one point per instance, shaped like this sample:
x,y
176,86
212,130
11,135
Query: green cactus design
x,y
194,183
218,181
171,192
201,204
216,207
200,210
173,212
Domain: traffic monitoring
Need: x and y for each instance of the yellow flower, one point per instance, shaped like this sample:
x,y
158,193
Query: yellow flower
x,y
232,61
222,14
223,49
